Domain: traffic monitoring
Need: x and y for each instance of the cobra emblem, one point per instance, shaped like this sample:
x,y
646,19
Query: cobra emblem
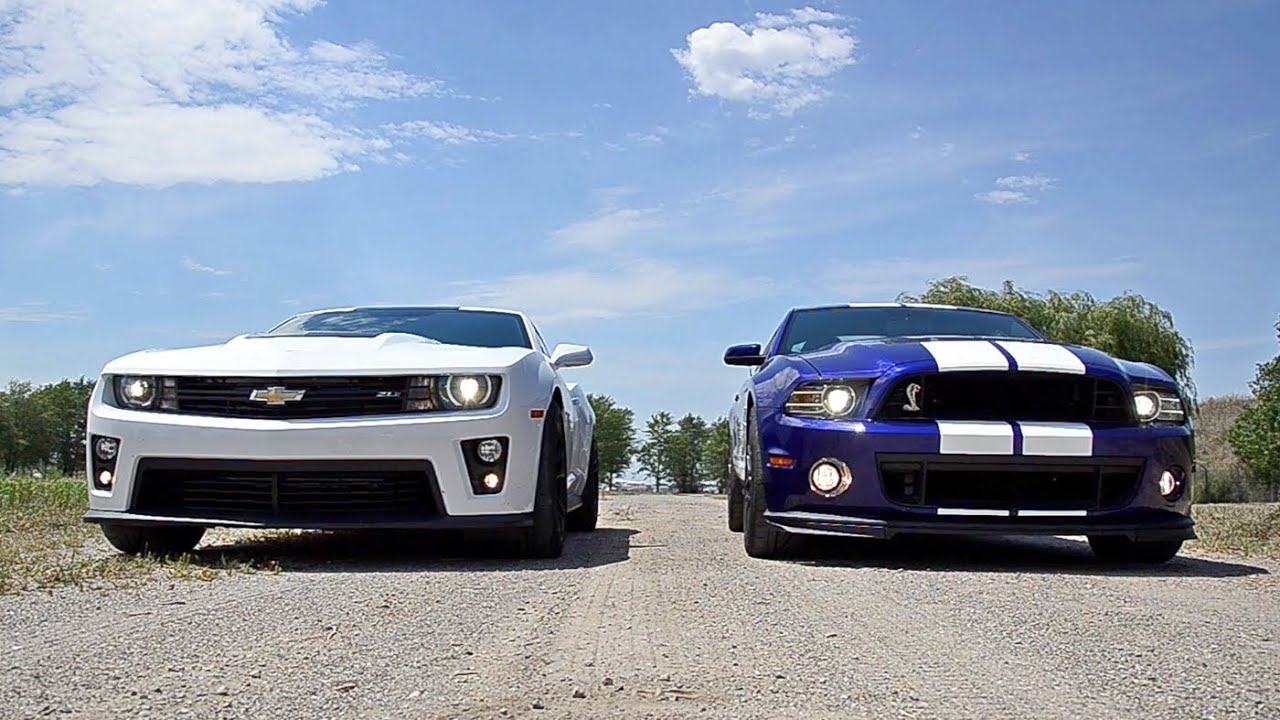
x,y
913,397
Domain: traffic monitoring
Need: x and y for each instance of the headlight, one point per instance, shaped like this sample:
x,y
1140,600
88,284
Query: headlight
x,y
452,392
826,398
135,392
1158,405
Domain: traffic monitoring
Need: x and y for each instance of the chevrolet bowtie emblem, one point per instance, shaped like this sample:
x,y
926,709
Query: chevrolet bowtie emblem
x,y
276,395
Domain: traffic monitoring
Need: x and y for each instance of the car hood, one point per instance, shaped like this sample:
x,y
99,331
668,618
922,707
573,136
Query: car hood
x,y
877,357
261,356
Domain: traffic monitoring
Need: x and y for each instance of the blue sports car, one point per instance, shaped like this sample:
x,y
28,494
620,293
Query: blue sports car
x,y
878,419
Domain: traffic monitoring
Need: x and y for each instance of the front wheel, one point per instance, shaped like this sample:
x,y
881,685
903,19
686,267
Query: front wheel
x,y
545,539
154,539
760,538
1114,548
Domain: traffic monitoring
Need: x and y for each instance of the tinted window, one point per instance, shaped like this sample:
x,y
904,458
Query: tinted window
x,y
479,328
812,330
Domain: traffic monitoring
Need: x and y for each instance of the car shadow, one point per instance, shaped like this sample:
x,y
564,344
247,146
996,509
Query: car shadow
x,y
1012,554
406,551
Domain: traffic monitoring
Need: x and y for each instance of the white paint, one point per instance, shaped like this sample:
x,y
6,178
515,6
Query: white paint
x,y
1052,513
529,379
1043,357
966,512
966,355
1056,439
975,438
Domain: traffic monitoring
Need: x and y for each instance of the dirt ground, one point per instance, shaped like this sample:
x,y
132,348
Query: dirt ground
x,y
658,614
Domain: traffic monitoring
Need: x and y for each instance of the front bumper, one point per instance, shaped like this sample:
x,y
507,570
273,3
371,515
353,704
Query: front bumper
x,y
990,461
155,448
1141,528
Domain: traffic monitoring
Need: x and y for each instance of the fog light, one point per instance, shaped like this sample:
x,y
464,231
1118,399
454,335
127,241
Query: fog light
x,y
829,477
491,481
105,478
106,448
489,451
1169,484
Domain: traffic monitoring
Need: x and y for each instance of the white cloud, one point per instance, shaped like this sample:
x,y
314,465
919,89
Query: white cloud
x,y
166,91
779,62
657,136
1026,182
1005,197
37,312
638,287
448,133
606,230
1022,156
947,149
195,266
919,132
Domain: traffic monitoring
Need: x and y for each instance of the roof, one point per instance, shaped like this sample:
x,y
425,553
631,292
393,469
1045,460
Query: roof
x,y
935,306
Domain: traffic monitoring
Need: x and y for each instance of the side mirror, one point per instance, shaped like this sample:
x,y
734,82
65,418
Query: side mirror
x,y
568,355
748,355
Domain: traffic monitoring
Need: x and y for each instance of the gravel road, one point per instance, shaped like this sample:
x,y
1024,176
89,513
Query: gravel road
x,y
658,614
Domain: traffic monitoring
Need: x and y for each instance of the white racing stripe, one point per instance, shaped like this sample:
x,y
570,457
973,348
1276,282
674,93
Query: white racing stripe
x,y
959,355
1043,357
1053,513
966,512
1057,439
975,438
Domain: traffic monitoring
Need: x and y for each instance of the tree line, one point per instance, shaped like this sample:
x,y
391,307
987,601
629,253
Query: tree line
x,y
1237,441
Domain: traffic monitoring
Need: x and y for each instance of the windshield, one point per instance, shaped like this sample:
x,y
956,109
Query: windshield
x,y
821,328
479,328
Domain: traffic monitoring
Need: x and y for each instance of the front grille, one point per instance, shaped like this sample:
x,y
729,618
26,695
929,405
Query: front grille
x,y
1028,396
322,397
1024,484
267,491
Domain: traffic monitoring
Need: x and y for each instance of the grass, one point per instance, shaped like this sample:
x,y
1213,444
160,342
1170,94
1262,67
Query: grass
x,y
1246,530
44,544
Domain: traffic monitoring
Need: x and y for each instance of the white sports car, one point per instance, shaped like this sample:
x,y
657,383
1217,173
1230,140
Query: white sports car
x,y
389,417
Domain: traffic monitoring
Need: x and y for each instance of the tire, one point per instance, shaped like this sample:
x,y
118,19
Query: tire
x,y
584,518
545,539
154,539
735,503
1118,549
760,538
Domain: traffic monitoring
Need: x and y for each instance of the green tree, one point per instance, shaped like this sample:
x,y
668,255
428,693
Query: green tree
x,y
1256,434
64,406
715,454
615,436
654,455
1127,326
685,453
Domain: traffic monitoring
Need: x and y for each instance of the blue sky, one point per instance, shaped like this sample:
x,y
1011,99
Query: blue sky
x,y
657,179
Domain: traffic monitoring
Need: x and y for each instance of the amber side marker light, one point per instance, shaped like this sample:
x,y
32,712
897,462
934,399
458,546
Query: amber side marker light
x,y
781,461
537,414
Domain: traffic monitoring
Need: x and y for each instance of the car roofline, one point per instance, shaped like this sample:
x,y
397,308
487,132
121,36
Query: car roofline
x,y
936,306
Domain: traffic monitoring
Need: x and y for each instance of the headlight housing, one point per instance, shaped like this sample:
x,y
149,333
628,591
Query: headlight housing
x,y
144,392
453,392
831,399
1158,405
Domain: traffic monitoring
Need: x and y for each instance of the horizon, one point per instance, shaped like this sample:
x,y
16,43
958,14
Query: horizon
x,y
655,182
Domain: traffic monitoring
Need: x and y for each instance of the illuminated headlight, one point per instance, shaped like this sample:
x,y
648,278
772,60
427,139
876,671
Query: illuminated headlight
x,y
138,393
1158,406
452,392
828,399
467,391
